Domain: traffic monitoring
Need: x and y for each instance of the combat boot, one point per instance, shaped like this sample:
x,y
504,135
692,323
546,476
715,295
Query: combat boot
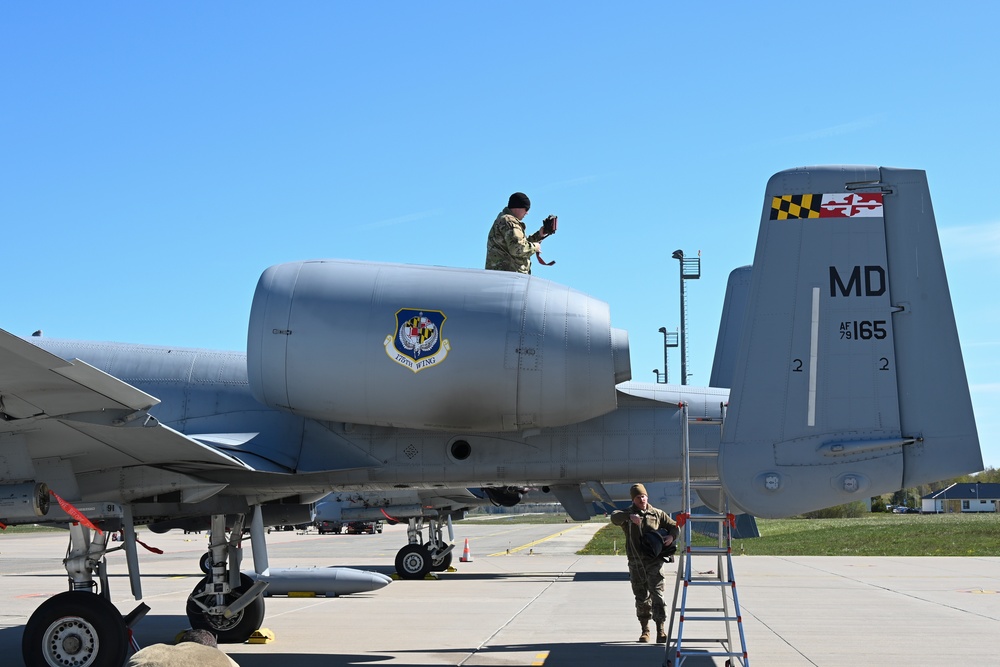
x,y
661,635
644,637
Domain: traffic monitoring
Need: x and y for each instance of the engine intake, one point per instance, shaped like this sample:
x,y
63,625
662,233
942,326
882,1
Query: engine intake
x,y
23,503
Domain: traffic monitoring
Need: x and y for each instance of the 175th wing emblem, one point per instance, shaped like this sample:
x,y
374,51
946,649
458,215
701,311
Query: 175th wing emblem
x,y
416,342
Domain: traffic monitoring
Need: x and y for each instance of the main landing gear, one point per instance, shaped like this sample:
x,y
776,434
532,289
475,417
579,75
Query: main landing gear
x,y
226,601
82,628
418,558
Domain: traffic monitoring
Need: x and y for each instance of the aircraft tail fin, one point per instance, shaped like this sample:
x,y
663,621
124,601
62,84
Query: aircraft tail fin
x,y
730,328
849,380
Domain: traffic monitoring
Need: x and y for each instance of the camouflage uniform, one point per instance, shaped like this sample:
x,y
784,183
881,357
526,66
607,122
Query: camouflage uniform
x,y
645,572
507,248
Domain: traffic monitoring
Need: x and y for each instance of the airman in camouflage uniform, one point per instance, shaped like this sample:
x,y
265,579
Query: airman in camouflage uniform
x,y
645,571
507,247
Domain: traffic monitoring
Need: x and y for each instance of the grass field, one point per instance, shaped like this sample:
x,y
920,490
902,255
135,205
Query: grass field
x,y
872,535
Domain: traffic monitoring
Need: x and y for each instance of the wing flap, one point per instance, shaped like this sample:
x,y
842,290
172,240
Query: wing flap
x,y
34,382
73,411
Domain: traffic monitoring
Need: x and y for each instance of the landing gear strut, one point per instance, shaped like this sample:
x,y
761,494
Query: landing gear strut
x,y
82,628
226,601
79,627
418,558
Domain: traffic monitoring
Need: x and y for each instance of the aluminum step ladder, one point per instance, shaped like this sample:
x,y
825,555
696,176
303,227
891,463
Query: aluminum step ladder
x,y
712,621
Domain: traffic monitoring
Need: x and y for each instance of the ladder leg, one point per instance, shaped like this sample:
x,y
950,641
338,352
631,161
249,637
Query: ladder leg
x,y
677,651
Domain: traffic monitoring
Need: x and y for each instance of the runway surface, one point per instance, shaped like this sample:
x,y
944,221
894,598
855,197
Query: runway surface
x,y
541,604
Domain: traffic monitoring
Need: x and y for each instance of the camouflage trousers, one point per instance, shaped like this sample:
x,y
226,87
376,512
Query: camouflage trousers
x,y
646,577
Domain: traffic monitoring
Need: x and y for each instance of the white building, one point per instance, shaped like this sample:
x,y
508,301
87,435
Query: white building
x,y
969,497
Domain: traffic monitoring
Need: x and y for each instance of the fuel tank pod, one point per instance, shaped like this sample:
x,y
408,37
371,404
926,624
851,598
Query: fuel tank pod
x,y
430,347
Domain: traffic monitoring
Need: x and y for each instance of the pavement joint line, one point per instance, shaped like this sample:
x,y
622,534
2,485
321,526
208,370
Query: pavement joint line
x,y
482,646
891,591
531,544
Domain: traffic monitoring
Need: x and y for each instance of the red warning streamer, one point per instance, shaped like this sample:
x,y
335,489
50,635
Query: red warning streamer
x,y
74,512
148,548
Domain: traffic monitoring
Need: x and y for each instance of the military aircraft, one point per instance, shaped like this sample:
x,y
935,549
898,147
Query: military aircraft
x,y
368,377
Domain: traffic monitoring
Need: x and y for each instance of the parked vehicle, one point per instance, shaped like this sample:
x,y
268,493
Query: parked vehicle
x,y
334,527
359,527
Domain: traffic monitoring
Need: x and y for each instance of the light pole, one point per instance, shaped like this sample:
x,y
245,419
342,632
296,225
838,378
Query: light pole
x,y
669,340
690,270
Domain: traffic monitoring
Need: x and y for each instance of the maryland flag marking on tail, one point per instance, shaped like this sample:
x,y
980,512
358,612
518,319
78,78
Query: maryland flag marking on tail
x,y
838,205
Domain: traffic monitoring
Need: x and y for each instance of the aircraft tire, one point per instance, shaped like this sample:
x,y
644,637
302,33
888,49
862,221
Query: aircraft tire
x,y
413,562
443,564
76,629
235,630
205,562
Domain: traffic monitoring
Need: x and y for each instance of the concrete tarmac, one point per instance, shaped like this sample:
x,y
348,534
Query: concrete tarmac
x,y
527,599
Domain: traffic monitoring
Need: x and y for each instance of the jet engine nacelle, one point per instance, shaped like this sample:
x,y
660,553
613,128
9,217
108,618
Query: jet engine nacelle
x,y
23,502
431,347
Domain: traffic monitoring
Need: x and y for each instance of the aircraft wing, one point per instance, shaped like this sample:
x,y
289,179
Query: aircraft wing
x,y
69,410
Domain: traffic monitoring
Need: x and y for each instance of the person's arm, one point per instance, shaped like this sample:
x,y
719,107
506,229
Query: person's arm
x,y
517,245
619,517
536,237
666,522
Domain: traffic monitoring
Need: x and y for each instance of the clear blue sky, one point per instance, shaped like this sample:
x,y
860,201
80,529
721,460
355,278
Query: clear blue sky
x,y
156,157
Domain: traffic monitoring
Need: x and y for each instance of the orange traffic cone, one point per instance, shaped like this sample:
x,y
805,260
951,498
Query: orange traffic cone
x,y
466,554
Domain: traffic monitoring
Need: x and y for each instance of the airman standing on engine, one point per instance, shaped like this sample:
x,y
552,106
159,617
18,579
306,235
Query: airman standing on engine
x,y
507,247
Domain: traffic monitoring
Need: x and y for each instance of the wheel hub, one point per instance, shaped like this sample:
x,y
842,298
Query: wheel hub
x,y
72,642
221,623
413,562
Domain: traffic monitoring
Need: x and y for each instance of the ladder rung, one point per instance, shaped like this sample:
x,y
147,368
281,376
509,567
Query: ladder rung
x,y
729,613
717,654
708,550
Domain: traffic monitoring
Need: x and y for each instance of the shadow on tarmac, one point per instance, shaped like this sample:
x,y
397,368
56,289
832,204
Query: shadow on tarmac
x,y
558,655
163,629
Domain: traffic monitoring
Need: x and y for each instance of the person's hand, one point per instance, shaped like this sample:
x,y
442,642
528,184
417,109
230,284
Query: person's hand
x,y
668,540
636,519
549,225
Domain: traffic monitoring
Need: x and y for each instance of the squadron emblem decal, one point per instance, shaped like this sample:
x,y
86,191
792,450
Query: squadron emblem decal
x,y
840,205
416,342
